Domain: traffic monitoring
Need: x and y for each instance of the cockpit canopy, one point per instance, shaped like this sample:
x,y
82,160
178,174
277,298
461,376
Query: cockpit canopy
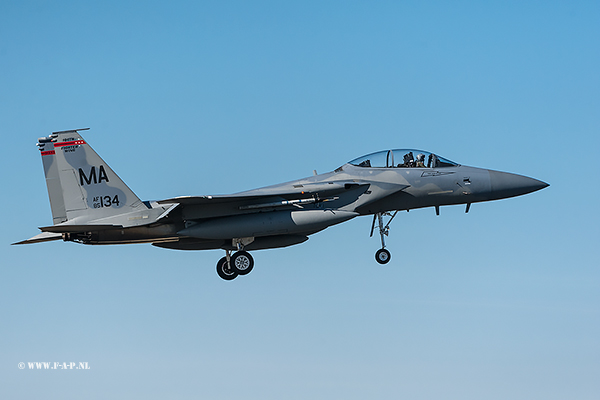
x,y
402,158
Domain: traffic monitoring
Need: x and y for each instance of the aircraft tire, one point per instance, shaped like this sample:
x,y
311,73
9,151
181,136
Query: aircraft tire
x,y
383,256
242,262
224,272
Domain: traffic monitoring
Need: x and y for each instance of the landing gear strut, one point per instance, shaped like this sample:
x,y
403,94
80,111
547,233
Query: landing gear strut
x,y
383,256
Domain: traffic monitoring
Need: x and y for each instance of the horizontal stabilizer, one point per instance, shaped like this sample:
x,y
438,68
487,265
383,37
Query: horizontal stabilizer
x,y
66,228
42,237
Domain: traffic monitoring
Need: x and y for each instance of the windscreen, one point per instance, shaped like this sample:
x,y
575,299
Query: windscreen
x,y
402,158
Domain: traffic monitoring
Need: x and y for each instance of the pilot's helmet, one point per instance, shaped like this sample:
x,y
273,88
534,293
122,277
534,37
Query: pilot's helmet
x,y
421,157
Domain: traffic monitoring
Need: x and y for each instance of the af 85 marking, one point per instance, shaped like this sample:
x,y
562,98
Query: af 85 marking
x,y
106,201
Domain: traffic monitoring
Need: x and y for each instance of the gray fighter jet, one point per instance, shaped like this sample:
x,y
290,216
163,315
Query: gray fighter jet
x,y
92,205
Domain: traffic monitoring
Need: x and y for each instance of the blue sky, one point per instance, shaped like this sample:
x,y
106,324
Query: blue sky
x,y
194,98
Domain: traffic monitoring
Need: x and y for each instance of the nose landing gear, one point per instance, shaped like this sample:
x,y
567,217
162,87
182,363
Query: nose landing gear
x,y
383,256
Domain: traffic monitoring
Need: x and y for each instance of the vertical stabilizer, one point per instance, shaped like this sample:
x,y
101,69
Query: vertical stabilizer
x,y
90,189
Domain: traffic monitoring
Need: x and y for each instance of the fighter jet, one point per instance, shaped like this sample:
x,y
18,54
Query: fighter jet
x,y
91,205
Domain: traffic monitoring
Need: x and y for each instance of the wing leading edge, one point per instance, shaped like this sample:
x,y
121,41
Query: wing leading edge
x,y
300,192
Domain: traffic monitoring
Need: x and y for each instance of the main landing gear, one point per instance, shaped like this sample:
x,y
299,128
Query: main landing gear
x,y
230,266
383,256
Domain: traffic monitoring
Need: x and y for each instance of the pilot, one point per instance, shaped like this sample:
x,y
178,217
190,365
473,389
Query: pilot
x,y
409,161
420,160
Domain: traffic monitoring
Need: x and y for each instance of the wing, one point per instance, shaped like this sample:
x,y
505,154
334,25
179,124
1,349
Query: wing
x,y
299,191
296,196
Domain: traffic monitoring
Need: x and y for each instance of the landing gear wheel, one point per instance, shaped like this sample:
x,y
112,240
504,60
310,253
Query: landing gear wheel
x,y
224,271
383,256
242,262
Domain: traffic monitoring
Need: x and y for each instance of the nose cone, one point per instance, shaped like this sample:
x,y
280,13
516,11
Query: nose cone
x,y
505,185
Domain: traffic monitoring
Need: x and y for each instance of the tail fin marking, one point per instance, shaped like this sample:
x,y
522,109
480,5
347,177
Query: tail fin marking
x,y
90,188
